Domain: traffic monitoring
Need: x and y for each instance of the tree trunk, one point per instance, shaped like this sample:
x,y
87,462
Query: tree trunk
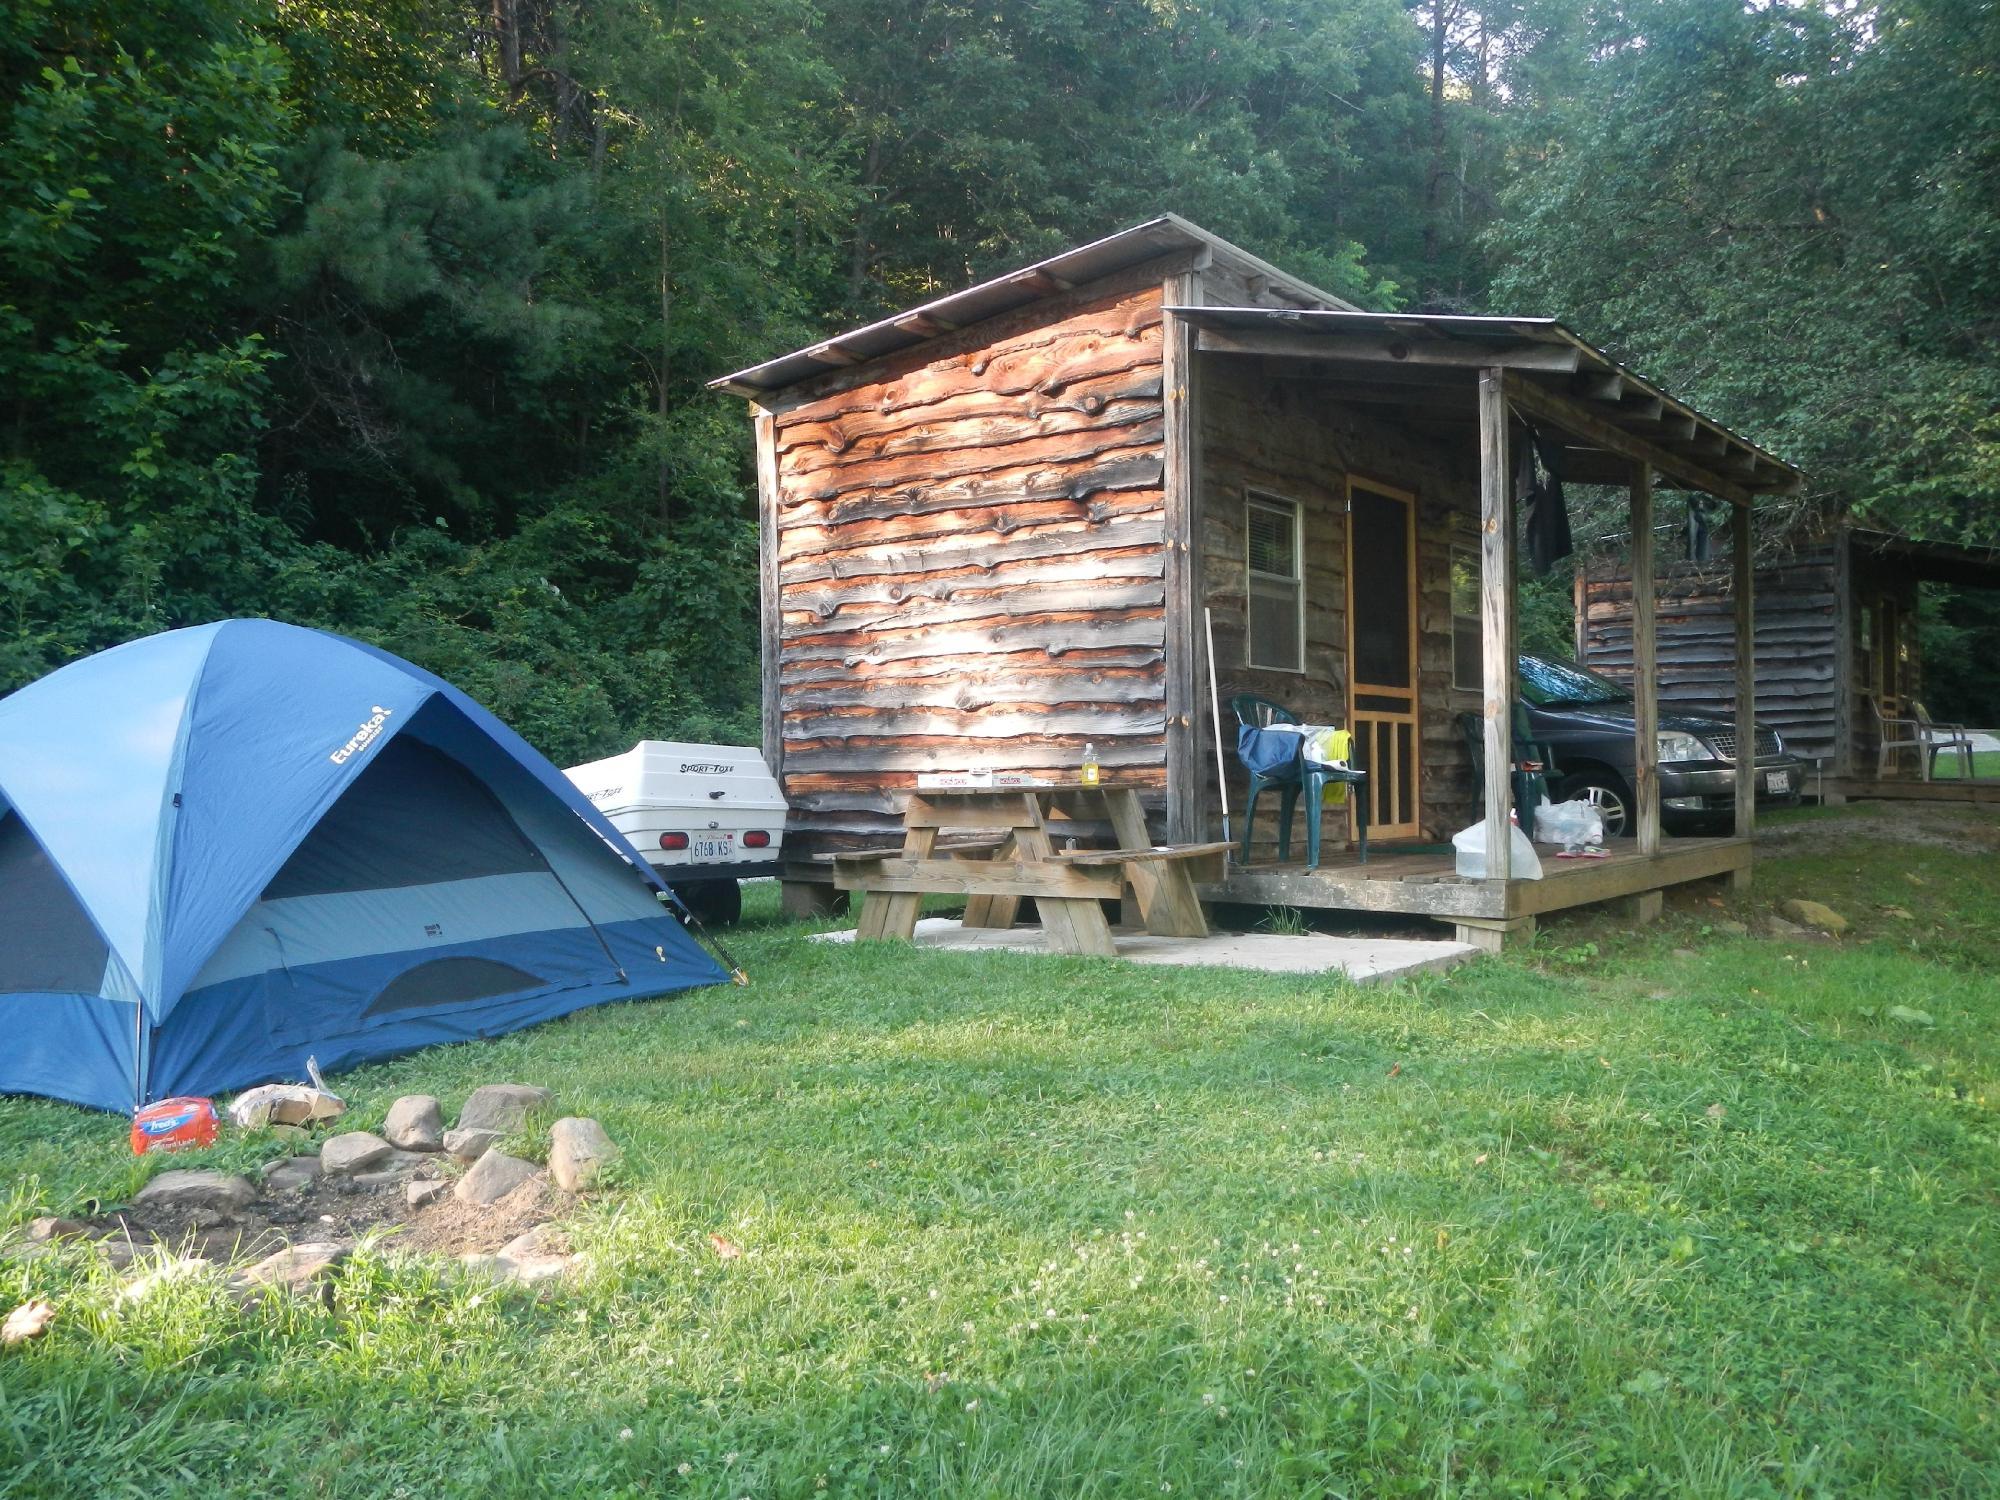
x,y
858,258
662,375
1434,177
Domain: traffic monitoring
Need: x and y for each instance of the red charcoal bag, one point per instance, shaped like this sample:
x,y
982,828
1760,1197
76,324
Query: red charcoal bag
x,y
174,1125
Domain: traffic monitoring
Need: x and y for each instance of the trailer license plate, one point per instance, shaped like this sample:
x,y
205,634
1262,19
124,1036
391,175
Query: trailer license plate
x,y
712,845
1779,783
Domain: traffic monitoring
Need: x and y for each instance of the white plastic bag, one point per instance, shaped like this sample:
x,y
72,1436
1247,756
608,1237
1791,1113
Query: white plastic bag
x,y
1471,846
1571,824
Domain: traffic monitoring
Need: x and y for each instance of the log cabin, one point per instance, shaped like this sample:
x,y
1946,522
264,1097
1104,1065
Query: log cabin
x,y
994,529
1837,646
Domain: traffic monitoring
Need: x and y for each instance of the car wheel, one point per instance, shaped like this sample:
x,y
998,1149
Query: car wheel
x,y
1607,794
716,902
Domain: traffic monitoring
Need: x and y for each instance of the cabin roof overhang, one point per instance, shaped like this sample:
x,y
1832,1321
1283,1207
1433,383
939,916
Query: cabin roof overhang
x,y
1932,562
1151,240
1603,416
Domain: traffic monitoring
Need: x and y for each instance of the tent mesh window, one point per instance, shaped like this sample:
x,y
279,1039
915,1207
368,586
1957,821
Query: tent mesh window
x,y
451,981
50,943
414,816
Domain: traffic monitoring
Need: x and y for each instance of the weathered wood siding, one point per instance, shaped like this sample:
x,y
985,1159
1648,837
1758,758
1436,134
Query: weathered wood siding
x,y
1264,429
1798,623
969,562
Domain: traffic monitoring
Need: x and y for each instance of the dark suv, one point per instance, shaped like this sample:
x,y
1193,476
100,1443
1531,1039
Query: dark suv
x,y
1586,721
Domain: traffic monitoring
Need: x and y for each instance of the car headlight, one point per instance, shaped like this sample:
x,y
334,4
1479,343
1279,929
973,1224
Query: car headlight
x,y
1678,744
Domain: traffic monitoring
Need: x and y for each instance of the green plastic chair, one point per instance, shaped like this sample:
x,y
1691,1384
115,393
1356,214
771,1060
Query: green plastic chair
x,y
1261,713
1531,763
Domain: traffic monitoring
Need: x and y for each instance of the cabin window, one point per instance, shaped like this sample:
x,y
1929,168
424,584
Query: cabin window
x,y
1468,671
1275,591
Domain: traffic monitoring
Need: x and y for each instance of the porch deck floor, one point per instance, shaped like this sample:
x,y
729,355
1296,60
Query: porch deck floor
x,y
1427,885
1982,791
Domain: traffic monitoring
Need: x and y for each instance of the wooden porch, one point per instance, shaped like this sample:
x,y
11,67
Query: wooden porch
x,y
1487,913
1835,790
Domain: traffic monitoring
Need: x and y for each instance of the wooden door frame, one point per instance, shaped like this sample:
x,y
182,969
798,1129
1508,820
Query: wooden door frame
x,y
1356,688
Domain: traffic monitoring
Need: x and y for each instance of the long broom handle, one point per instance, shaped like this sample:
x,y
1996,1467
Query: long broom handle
x,y
1215,720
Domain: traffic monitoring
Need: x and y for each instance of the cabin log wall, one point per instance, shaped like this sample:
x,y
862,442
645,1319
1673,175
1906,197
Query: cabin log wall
x,y
970,561
1799,621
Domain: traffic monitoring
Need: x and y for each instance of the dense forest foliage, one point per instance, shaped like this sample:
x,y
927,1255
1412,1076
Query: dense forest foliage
x,y
393,318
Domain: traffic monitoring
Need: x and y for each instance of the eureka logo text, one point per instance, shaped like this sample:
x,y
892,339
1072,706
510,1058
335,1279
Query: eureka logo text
x,y
363,736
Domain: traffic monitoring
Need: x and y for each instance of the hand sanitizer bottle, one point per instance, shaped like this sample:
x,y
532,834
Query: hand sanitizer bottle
x,y
1090,765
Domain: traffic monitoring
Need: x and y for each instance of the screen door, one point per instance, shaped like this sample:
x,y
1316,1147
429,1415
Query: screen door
x,y
1382,651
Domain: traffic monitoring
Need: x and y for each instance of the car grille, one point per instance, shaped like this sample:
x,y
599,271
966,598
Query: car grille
x,y
1725,743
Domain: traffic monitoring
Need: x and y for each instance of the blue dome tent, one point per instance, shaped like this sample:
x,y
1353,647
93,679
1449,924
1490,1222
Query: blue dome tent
x,y
227,847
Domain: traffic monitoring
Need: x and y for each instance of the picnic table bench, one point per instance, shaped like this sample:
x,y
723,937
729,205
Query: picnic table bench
x,y
1067,885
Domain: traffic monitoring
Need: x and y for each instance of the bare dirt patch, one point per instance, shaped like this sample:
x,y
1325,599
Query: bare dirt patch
x,y
1961,829
448,1227
329,1209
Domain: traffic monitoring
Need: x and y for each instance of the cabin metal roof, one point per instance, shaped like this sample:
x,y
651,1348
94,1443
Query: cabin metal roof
x,y
1932,562
1601,413
1599,410
1004,294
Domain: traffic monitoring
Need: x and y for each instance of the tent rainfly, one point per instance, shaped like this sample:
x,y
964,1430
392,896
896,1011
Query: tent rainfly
x,y
225,848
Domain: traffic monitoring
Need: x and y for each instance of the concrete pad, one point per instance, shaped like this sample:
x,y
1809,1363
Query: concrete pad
x,y
1363,960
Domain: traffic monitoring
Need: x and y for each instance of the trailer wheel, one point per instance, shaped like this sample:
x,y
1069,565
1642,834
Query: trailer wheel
x,y
716,902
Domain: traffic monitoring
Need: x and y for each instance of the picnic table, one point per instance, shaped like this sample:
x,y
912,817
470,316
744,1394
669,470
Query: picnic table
x,y
1067,885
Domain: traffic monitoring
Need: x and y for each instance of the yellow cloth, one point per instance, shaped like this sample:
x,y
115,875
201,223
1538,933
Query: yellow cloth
x,y
1330,747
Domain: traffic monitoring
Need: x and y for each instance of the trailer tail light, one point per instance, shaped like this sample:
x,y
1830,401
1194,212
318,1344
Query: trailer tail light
x,y
673,841
757,839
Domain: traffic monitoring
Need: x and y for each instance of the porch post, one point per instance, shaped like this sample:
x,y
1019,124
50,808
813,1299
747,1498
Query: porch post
x,y
1645,669
1496,618
1742,566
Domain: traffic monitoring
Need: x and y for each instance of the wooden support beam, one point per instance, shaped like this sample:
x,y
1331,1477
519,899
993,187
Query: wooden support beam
x,y
1847,706
1494,934
769,615
1742,567
1496,616
1645,670
832,354
925,325
1579,421
1301,343
1179,375
1593,385
1041,280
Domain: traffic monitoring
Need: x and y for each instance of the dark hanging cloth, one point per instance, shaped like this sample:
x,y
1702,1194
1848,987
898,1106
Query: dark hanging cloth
x,y
1699,546
1539,482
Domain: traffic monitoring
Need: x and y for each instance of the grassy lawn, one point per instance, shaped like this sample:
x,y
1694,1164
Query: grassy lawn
x,y
1951,765
1654,1212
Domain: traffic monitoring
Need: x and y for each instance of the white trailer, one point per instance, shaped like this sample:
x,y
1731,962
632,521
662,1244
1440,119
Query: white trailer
x,y
704,816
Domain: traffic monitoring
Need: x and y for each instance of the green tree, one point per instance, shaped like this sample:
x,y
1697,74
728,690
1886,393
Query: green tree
x,y
1793,208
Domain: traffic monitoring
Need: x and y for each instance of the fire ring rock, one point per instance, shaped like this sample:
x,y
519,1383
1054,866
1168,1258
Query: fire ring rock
x,y
201,1196
469,1145
415,1123
356,1151
501,1107
579,1150
493,1177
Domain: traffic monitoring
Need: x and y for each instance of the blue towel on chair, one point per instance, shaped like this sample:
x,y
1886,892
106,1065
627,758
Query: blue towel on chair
x,y
1267,752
